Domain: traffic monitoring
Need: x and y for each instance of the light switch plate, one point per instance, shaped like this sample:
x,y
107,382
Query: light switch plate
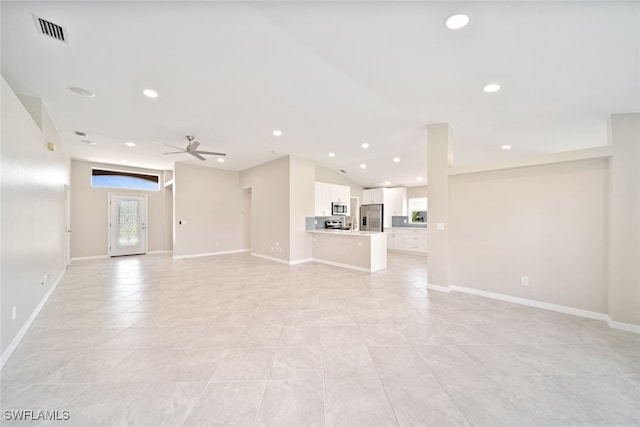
x,y
440,226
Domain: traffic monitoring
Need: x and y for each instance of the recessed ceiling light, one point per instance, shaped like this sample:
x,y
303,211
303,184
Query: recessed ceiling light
x,y
124,161
457,21
363,166
396,160
332,154
82,92
150,93
506,147
491,88
88,142
220,160
419,179
129,144
387,183
365,145
277,132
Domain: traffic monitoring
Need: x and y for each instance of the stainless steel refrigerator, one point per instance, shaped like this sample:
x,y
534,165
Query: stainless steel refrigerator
x,y
371,217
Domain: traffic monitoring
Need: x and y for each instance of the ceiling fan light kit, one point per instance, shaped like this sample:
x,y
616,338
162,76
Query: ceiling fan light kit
x,y
192,148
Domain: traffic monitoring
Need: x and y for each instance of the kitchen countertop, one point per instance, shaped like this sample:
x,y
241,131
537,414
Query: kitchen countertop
x,y
406,228
345,232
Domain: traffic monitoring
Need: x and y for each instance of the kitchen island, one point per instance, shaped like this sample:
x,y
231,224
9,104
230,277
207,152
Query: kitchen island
x,y
358,250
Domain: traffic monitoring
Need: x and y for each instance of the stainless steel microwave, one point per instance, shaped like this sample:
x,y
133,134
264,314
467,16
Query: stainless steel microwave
x,y
339,209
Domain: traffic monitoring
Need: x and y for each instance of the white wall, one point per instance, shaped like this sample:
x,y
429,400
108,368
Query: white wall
x,y
214,211
624,290
282,195
302,204
438,163
269,183
338,178
33,212
419,191
544,222
89,213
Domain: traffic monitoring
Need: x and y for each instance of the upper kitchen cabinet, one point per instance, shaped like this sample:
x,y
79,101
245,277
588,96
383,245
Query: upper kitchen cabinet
x,y
373,196
393,199
343,194
326,194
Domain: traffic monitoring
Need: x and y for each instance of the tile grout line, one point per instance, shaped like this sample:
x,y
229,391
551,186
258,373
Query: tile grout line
x,y
196,400
378,375
268,376
443,387
324,386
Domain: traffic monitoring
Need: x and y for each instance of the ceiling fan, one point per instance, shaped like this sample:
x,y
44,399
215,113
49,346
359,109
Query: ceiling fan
x,y
192,148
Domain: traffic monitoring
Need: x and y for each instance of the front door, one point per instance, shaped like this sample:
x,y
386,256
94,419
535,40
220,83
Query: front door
x,y
127,224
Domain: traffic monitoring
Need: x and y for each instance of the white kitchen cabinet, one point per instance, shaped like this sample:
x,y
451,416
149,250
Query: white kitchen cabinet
x,y
395,204
393,199
413,240
343,194
320,207
326,193
373,196
391,239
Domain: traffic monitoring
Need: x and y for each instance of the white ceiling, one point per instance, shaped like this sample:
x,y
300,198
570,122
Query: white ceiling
x,y
330,76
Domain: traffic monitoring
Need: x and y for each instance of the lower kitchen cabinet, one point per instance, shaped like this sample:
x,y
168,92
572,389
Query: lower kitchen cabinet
x,y
412,240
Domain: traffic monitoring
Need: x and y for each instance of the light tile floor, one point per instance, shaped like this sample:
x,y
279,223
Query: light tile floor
x,y
238,340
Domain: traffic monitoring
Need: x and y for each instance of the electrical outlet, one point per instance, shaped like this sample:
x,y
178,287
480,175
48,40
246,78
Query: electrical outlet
x,y
440,226
217,244
524,280
43,280
271,248
14,313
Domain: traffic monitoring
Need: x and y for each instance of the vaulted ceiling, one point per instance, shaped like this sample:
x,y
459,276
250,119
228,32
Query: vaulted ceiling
x,y
330,75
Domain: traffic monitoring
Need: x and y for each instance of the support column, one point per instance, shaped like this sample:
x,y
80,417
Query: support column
x,y
438,162
624,220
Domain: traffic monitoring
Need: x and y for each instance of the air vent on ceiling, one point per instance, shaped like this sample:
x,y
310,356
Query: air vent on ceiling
x,y
80,133
343,171
50,29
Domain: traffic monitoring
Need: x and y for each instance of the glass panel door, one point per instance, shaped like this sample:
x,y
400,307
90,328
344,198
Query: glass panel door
x,y
127,225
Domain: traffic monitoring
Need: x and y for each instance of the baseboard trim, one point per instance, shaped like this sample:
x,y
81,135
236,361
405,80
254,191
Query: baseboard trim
x,y
87,258
300,261
338,264
439,288
270,258
159,252
533,303
396,251
21,333
627,327
236,251
621,326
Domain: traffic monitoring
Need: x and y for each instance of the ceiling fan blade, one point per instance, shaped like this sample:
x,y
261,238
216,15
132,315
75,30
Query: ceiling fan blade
x,y
167,145
211,152
195,154
176,152
193,146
